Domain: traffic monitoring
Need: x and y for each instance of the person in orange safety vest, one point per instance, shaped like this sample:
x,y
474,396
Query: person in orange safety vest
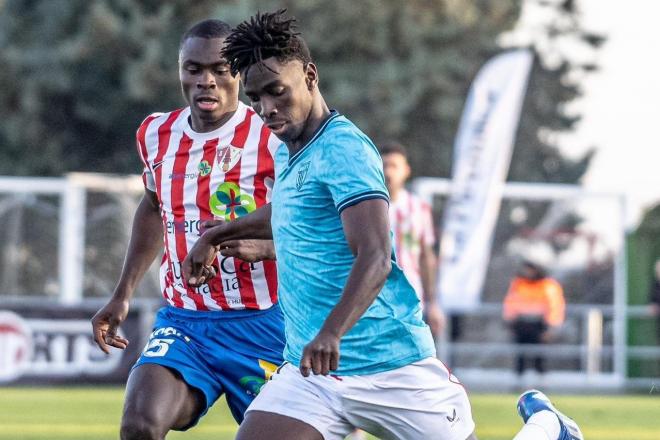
x,y
534,308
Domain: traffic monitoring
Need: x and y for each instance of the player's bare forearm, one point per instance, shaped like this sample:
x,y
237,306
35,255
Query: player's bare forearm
x,y
197,264
255,225
249,250
428,267
366,228
432,313
366,280
144,246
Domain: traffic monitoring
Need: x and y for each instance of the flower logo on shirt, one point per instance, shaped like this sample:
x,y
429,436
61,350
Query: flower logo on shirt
x,y
230,203
204,168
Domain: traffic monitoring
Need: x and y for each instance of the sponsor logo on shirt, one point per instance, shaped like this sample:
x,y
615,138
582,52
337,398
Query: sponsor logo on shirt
x,y
183,176
185,226
204,168
228,282
229,203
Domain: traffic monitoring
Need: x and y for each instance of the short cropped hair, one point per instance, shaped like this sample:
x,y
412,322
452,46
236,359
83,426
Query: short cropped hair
x,y
207,29
393,147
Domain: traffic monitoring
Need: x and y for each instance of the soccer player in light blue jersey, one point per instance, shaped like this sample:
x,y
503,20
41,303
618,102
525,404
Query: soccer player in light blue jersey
x,y
358,354
351,317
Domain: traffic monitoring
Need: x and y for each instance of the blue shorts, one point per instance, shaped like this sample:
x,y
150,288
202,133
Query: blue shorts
x,y
218,352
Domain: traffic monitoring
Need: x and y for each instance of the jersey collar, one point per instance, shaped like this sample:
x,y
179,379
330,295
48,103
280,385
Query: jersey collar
x,y
333,114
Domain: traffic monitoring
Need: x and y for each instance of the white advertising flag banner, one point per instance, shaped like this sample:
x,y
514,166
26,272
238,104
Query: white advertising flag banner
x,y
482,153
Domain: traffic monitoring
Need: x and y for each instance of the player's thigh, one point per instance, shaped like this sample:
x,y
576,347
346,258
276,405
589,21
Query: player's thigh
x,y
261,425
421,400
158,397
312,401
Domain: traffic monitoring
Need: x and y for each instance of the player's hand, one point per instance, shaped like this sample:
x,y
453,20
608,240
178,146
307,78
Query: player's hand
x,y
434,318
248,250
208,224
321,355
105,324
198,267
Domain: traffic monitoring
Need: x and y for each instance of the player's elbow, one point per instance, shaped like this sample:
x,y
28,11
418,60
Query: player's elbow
x,y
381,264
386,265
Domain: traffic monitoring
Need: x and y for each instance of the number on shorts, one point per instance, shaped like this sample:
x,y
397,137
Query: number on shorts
x,y
157,347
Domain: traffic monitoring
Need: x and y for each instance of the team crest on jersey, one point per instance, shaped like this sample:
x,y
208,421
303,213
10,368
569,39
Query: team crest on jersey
x,y
204,168
302,175
228,157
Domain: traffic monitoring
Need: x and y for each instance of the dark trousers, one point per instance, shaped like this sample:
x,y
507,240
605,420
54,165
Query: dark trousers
x,y
529,331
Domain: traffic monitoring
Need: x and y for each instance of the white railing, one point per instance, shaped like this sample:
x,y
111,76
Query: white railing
x,y
72,192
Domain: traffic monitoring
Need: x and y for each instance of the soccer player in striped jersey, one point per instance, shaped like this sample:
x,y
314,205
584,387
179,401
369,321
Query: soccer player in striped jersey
x,y
337,282
414,237
210,161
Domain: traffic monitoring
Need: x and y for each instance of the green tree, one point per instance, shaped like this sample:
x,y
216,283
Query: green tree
x,y
80,75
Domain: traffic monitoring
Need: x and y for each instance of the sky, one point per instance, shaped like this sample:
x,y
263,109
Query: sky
x,y
621,102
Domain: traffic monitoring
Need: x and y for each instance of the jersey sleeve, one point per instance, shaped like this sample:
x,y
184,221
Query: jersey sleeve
x,y
147,174
353,170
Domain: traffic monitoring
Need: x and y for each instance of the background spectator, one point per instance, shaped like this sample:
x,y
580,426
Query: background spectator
x,y
534,307
414,239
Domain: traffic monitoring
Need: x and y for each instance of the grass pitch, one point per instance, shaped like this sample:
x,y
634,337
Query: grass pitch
x,y
93,414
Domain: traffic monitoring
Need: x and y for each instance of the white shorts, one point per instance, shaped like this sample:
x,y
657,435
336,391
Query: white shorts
x,y
420,401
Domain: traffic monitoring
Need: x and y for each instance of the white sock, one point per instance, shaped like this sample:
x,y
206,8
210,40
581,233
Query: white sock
x,y
544,425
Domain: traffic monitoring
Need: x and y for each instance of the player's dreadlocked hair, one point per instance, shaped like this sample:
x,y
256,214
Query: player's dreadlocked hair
x,y
263,36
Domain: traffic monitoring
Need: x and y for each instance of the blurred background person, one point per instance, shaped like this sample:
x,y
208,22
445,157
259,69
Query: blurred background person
x,y
534,308
414,239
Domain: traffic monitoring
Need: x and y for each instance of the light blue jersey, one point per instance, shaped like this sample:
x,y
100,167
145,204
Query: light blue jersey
x,y
339,167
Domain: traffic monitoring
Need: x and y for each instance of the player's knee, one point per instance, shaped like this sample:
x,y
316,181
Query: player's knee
x,y
140,428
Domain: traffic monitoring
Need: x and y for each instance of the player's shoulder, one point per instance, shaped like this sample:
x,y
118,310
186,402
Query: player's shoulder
x,y
341,138
339,128
160,118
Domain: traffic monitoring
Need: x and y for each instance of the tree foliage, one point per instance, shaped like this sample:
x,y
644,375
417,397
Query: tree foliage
x,y
80,75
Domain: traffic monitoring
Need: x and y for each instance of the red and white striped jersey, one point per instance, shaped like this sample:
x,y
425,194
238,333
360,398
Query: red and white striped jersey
x,y
412,225
223,174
